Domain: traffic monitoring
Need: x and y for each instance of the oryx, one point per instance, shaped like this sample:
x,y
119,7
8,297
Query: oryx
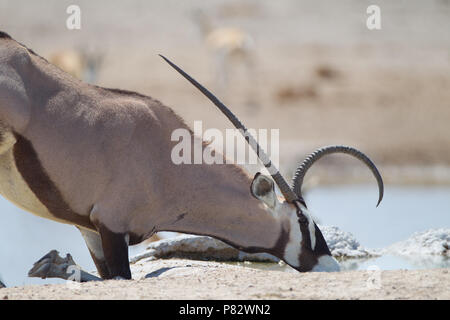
x,y
230,47
100,159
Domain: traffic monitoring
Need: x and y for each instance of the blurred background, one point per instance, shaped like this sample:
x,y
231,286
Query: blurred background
x,y
311,69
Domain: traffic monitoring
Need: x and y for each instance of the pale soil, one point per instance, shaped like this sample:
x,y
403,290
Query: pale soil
x,y
211,280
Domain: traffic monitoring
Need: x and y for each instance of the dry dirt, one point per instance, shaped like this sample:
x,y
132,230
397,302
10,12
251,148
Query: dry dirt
x,y
210,280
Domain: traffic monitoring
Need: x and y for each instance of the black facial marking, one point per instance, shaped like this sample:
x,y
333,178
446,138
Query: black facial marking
x,y
280,246
309,257
30,168
321,245
302,218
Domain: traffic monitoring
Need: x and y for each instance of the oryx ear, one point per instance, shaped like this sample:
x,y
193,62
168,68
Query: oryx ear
x,y
262,188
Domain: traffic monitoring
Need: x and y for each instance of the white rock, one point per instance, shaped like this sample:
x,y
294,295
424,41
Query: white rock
x,y
343,244
426,243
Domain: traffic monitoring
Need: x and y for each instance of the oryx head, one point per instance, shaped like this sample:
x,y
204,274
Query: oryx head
x,y
304,248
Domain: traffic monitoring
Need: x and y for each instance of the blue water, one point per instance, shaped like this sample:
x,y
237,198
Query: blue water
x,y
403,211
25,238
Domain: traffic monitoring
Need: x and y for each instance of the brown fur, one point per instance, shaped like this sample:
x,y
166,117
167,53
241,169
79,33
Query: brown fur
x,y
34,174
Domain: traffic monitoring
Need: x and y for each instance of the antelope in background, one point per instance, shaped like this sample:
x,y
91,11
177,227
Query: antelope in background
x,y
100,159
229,47
81,63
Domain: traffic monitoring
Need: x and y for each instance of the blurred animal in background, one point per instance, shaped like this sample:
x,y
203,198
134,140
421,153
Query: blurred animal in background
x,y
230,47
293,93
80,63
322,75
327,72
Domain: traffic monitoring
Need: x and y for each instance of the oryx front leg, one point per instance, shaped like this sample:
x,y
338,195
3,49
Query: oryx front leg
x,y
112,230
115,249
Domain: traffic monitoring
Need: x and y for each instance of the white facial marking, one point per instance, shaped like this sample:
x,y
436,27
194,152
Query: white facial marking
x,y
311,227
326,264
293,247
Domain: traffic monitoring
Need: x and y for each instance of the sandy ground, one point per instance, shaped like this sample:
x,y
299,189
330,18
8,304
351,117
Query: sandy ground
x,y
210,280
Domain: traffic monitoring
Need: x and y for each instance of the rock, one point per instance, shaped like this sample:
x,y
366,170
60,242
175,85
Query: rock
x,y
343,244
432,242
426,249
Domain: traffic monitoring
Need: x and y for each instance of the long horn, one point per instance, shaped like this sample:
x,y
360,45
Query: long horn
x,y
313,157
285,189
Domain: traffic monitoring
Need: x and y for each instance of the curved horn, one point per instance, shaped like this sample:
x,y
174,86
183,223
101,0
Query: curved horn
x,y
316,155
285,189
